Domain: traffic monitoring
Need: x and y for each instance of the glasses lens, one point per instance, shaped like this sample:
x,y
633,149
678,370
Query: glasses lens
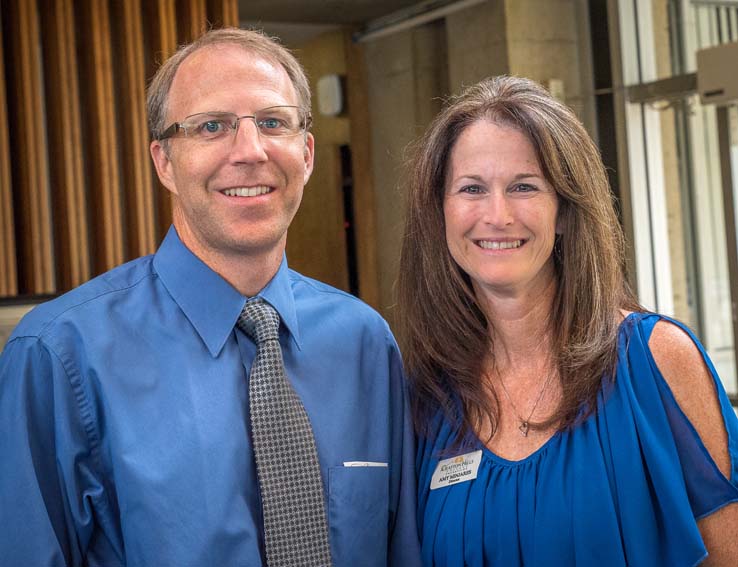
x,y
273,122
209,126
279,121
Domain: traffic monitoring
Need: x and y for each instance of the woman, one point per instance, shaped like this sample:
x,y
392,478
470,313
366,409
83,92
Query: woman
x,y
559,423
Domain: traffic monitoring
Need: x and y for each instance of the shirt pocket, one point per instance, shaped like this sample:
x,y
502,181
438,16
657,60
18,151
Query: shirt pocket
x,y
358,515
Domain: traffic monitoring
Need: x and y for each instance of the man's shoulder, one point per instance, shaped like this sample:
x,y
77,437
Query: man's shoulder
x,y
334,300
94,294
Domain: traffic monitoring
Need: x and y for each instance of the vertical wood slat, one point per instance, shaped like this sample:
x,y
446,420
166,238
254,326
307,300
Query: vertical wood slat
x,y
101,134
166,28
91,183
191,19
132,132
71,231
160,24
365,221
31,182
223,13
8,273
161,29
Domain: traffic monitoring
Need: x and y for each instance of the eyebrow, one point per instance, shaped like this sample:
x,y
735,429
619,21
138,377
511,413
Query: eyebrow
x,y
518,177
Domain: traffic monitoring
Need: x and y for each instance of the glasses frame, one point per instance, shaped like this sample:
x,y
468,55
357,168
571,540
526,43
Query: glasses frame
x,y
175,128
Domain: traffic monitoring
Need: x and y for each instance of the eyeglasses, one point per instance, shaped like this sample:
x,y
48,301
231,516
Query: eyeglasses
x,y
272,122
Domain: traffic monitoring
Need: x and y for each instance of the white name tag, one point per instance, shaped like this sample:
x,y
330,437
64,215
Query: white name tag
x,y
456,470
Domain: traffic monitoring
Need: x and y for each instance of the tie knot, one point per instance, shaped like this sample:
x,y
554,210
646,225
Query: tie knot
x,y
259,320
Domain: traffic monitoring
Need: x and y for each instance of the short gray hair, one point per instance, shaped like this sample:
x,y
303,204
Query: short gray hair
x,y
253,41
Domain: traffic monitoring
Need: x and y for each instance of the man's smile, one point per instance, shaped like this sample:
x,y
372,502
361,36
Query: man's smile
x,y
247,191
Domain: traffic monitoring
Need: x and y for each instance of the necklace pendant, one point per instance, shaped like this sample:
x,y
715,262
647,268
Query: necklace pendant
x,y
524,428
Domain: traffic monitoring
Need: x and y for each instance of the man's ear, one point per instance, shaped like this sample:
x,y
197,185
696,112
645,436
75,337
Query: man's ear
x,y
309,155
163,165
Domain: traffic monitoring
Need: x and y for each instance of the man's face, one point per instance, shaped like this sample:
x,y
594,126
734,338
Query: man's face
x,y
236,196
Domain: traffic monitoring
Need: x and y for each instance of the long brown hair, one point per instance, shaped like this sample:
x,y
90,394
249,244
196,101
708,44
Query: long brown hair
x,y
445,335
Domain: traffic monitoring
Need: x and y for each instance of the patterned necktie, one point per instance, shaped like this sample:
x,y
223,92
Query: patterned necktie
x,y
295,528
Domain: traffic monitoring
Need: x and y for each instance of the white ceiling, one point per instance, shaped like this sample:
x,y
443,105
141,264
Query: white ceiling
x,y
318,11
295,21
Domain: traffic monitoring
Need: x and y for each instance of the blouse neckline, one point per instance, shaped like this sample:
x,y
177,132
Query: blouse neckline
x,y
556,434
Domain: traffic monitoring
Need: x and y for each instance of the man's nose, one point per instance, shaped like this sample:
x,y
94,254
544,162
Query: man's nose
x,y
247,144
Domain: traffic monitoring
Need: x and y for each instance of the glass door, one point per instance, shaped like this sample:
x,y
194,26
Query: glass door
x,y
727,121
711,196
682,158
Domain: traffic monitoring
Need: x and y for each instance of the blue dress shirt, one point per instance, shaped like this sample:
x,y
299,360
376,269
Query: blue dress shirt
x,y
124,422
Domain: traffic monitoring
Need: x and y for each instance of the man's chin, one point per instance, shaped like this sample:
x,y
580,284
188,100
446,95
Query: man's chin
x,y
252,244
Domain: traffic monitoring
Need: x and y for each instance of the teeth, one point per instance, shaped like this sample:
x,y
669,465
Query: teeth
x,y
497,245
247,191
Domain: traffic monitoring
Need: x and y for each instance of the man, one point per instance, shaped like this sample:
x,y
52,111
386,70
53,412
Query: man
x,y
127,425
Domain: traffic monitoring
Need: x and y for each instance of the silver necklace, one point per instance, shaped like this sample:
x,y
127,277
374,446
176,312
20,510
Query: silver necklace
x,y
525,423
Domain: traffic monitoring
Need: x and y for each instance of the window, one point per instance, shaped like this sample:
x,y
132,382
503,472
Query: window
x,y
677,162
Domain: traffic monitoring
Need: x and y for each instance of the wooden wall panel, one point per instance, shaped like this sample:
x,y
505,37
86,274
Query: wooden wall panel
x,y
160,32
101,131
8,274
223,13
365,222
71,230
191,19
316,244
78,193
162,16
133,133
160,23
30,160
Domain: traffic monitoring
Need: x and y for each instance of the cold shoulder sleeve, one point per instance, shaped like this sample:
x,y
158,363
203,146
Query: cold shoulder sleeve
x,y
667,477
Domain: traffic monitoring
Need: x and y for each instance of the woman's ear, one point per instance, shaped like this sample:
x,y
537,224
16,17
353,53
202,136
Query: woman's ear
x,y
559,225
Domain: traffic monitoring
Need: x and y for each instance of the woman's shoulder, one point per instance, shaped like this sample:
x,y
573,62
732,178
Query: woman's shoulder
x,y
683,366
679,359
666,349
686,369
678,355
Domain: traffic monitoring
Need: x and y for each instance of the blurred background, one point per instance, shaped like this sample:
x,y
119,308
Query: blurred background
x,y
654,81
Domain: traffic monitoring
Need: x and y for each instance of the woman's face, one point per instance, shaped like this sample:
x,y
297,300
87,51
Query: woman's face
x,y
500,212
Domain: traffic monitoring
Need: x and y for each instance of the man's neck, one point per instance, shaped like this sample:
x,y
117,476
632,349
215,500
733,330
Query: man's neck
x,y
249,274
248,271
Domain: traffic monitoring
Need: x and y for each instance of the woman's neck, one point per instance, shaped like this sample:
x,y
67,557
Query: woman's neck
x,y
520,325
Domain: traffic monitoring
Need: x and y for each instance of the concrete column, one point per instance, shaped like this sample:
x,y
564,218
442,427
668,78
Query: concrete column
x,y
407,78
538,39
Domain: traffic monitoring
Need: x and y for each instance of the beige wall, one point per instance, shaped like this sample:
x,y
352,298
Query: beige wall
x,y
406,75
477,44
501,37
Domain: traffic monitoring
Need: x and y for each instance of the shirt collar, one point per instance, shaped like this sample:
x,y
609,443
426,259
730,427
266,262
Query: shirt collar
x,y
208,301
278,293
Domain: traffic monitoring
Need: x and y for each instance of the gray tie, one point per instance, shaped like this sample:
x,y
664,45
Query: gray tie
x,y
295,528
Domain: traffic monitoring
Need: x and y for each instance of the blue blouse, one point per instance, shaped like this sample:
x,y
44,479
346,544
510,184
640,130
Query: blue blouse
x,y
624,487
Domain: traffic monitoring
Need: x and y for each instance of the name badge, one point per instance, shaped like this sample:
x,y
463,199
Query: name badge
x,y
456,470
